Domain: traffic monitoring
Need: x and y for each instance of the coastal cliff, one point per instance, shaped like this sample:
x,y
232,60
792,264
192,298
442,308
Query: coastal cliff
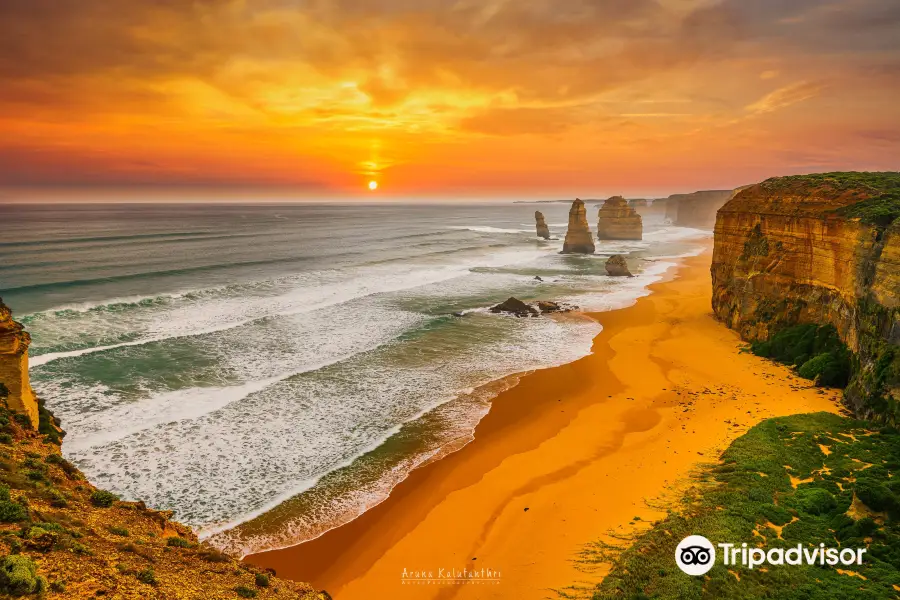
x,y
616,220
821,249
578,235
14,342
60,537
697,209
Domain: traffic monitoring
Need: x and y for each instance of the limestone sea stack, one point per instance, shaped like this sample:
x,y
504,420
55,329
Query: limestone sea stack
x,y
14,341
617,267
578,235
542,230
618,221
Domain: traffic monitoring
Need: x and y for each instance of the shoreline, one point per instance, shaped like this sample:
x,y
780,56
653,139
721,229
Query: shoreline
x,y
532,488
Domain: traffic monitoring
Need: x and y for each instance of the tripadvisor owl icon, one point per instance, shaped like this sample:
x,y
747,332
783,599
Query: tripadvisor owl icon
x,y
695,555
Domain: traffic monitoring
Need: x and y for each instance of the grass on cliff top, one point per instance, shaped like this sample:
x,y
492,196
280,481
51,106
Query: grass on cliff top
x,y
819,477
880,208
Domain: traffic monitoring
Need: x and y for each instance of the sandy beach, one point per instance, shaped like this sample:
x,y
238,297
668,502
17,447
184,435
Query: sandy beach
x,y
564,457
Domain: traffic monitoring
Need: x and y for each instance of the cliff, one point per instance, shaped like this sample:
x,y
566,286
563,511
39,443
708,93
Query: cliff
x,y
578,235
616,220
60,537
14,342
821,249
541,225
697,209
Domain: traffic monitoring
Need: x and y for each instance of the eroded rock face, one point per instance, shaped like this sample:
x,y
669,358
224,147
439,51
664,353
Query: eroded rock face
x,y
578,236
617,267
541,225
616,220
514,306
785,254
14,341
697,209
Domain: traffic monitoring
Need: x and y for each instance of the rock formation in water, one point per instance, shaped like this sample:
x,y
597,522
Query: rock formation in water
x,y
617,267
64,538
697,209
14,341
638,203
514,306
541,225
821,249
546,306
618,221
578,235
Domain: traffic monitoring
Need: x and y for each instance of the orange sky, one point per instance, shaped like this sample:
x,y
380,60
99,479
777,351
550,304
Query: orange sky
x,y
455,98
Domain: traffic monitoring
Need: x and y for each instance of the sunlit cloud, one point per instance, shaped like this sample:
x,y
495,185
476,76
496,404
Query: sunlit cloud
x,y
444,96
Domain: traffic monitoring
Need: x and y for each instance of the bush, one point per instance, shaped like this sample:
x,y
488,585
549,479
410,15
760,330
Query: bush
x,y
147,576
178,542
815,501
18,576
262,580
119,531
12,512
5,438
245,592
103,499
816,351
830,369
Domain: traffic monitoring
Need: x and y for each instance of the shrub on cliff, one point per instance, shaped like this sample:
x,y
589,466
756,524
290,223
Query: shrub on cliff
x,y
816,351
18,576
10,512
103,499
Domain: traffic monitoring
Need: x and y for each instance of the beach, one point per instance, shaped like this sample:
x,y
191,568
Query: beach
x,y
563,458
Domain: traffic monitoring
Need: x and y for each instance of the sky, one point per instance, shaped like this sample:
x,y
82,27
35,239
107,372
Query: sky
x,y
440,98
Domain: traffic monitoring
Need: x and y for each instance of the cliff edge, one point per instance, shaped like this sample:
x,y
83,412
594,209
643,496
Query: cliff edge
x,y
60,537
14,342
821,249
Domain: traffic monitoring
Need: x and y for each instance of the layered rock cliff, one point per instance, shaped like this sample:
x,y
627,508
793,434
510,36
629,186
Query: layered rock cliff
x,y
819,249
616,220
541,225
14,342
697,209
578,236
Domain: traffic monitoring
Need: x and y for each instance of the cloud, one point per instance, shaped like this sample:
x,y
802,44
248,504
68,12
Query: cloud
x,y
785,96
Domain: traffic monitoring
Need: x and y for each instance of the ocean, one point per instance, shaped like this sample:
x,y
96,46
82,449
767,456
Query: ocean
x,y
268,372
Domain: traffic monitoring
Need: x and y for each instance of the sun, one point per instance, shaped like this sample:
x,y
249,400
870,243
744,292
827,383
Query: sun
x,y
373,185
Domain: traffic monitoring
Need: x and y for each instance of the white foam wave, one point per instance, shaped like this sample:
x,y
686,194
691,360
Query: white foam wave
x,y
211,314
488,229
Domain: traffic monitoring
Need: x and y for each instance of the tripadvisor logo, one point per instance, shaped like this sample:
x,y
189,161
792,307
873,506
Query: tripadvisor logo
x,y
696,555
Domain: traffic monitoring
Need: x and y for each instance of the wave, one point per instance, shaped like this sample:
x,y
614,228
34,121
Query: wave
x,y
107,238
40,287
299,299
487,229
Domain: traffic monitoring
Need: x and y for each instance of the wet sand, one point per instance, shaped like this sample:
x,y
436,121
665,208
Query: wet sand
x,y
566,456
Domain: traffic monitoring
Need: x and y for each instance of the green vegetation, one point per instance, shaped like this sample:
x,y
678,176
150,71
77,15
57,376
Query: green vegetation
x,y
18,576
178,542
878,192
245,592
817,353
10,512
262,580
147,576
103,499
120,531
818,478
